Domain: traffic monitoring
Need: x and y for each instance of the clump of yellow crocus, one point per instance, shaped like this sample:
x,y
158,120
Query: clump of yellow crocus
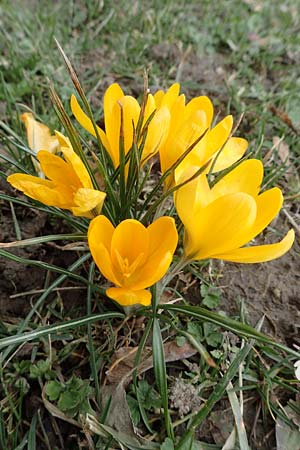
x,y
190,121
221,220
38,137
115,105
68,186
132,256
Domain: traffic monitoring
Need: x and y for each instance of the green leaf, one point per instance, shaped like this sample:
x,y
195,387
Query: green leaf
x,y
180,341
159,365
212,337
195,330
40,368
53,390
148,396
22,384
167,444
211,296
68,400
134,409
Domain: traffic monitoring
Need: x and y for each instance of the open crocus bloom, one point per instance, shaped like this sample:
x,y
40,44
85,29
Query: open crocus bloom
x,y
220,220
39,137
190,121
116,104
132,256
68,185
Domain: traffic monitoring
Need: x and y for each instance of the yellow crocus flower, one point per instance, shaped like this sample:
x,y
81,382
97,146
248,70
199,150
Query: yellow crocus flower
x,y
188,122
38,137
132,256
68,185
114,101
221,220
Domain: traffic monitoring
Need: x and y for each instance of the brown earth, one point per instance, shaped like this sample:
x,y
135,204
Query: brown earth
x,y
271,289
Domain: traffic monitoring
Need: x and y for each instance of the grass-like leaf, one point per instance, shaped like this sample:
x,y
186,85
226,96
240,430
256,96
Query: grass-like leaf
x,y
229,324
216,395
32,434
159,365
42,240
57,328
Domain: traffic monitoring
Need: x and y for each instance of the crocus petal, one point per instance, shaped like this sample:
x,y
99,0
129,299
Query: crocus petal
x,y
177,114
149,108
202,103
126,297
131,113
185,136
170,96
86,122
58,170
100,234
44,191
38,134
112,94
232,151
158,96
246,177
268,206
63,140
87,200
213,140
259,253
130,240
223,225
160,252
79,168
112,130
112,119
157,133
192,196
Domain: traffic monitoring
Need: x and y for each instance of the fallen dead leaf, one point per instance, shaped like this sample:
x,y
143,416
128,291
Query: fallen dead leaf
x,y
122,367
283,116
283,151
119,376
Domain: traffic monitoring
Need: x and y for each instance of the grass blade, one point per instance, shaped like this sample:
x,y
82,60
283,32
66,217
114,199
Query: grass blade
x,y
159,365
43,265
91,346
236,409
3,440
31,445
43,240
43,297
42,331
229,324
216,395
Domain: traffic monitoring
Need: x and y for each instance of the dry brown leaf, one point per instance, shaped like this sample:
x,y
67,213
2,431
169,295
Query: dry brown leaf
x,y
122,367
119,376
119,415
283,116
283,151
282,148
